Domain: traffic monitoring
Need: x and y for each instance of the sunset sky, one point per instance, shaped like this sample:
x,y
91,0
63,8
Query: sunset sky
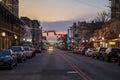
x,y
60,14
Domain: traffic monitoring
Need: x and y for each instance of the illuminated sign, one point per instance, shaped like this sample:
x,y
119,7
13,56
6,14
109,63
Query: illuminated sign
x,y
112,43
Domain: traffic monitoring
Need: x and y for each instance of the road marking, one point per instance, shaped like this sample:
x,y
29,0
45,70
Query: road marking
x,y
72,72
80,72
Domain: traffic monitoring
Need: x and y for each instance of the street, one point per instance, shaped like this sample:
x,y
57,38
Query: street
x,y
62,65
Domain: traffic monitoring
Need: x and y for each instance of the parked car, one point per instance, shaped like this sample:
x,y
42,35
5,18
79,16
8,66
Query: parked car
x,y
82,50
111,54
100,51
37,50
31,48
119,59
19,51
90,51
8,58
44,47
76,50
27,51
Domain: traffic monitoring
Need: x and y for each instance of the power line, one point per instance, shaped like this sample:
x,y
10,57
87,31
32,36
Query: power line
x,y
89,4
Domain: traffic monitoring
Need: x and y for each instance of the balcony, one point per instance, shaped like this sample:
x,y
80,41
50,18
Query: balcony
x,y
16,30
9,27
5,25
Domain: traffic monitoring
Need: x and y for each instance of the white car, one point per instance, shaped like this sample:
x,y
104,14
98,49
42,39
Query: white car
x,y
90,51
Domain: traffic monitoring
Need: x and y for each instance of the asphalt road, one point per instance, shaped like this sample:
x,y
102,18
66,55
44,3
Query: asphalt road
x,y
62,65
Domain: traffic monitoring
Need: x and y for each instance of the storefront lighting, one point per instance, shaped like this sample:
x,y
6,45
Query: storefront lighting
x,y
15,37
23,39
119,35
101,42
102,38
86,40
112,43
27,40
93,39
1,0
3,34
30,40
83,41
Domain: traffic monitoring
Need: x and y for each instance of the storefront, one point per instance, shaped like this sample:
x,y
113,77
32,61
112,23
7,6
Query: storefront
x,y
7,39
114,43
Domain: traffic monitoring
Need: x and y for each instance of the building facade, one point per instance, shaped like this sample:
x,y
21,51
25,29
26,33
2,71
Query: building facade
x,y
27,37
108,35
115,8
12,5
110,32
36,33
10,27
81,33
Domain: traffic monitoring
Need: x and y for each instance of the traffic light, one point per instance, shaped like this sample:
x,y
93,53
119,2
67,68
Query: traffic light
x,y
64,36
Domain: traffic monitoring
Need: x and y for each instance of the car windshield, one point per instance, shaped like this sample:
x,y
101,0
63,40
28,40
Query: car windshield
x,y
102,49
5,52
28,45
16,48
26,48
115,50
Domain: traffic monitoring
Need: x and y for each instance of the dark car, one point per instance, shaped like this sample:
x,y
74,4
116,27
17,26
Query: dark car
x,y
119,59
7,58
38,50
19,51
111,54
100,51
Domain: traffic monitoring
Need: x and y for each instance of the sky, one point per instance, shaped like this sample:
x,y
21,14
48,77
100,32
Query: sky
x,y
59,15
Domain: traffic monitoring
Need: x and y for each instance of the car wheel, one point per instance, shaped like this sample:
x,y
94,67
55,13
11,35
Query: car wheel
x,y
21,60
93,56
119,62
10,66
107,58
97,57
103,58
16,63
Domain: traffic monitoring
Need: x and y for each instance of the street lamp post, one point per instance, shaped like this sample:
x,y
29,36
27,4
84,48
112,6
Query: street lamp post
x,y
3,35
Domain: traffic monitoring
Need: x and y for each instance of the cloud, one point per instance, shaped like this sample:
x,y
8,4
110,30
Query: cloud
x,y
59,26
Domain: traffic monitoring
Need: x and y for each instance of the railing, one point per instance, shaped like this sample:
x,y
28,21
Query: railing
x,y
9,27
16,30
5,25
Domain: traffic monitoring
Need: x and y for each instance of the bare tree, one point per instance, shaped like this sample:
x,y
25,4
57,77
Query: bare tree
x,y
103,17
